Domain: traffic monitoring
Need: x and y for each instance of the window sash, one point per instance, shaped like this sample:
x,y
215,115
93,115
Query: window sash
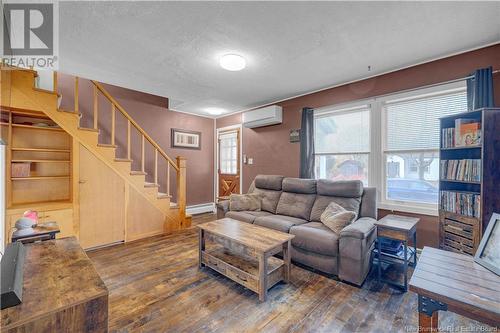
x,y
332,112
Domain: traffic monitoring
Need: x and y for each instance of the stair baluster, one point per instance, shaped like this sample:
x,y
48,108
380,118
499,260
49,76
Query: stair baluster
x,y
76,95
113,123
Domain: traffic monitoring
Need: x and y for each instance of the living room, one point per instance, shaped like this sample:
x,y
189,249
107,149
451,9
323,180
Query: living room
x,y
252,166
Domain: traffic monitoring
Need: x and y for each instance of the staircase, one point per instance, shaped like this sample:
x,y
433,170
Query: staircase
x,y
18,87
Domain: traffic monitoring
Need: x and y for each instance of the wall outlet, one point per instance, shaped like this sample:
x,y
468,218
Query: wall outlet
x,y
250,160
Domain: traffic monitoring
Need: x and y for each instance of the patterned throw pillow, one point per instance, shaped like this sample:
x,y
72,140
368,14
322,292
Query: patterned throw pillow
x,y
337,218
239,202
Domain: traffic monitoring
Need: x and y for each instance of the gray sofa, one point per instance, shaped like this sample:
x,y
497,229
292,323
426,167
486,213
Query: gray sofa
x,y
295,205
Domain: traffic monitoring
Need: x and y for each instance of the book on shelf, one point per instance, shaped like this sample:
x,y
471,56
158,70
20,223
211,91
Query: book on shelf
x,y
448,137
467,170
467,132
462,203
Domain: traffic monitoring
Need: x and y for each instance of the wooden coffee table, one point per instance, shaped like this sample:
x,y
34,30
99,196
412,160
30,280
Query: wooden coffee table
x,y
448,281
245,253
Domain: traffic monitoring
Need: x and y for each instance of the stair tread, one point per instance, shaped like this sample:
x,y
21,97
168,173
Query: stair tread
x,y
88,129
106,145
70,112
146,184
122,160
163,195
133,172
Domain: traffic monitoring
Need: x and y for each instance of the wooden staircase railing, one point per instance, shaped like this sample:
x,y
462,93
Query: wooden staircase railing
x,y
179,166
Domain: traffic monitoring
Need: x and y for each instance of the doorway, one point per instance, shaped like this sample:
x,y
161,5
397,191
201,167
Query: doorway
x,y
228,162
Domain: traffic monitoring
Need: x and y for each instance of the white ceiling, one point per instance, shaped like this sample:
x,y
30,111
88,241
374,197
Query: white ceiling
x,y
172,48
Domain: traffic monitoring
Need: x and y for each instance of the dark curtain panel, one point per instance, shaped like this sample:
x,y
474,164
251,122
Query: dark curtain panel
x,y
480,89
307,144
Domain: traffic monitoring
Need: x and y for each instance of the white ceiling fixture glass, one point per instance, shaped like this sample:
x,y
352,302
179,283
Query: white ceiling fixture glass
x,y
232,62
214,111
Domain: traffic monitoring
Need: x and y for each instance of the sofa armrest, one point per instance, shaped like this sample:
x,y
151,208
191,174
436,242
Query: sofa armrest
x,y
222,208
356,243
360,229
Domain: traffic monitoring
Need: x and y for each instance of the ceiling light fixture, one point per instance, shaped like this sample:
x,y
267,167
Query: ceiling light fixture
x,y
232,62
214,111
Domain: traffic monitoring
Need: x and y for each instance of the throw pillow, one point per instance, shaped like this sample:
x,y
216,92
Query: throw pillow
x,y
239,202
336,217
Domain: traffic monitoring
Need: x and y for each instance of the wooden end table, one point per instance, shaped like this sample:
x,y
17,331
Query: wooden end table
x,y
450,281
245,253
400,228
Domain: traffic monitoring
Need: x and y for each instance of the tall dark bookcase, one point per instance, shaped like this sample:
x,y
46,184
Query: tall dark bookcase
x,y
458,231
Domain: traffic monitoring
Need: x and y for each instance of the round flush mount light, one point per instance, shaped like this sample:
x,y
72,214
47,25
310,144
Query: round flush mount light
x,y
214,111
232,62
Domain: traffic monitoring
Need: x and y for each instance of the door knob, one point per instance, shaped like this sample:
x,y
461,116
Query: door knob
x,y
82,181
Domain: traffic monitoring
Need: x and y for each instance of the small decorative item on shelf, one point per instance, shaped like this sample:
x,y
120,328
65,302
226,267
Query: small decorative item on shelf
x,y
488,252
467,132
31,214
20,170
24,226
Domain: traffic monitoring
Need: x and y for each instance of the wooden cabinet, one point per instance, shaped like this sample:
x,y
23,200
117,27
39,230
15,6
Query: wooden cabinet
x,y
62,214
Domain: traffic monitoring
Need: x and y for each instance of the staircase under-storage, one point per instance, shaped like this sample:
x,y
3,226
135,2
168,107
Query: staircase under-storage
x,y
65,173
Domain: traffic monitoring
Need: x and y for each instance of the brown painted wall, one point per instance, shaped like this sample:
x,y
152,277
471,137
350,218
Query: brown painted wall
x,y
274,154
152,114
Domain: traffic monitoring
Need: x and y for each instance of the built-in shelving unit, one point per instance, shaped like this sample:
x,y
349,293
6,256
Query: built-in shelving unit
x,y
39,159
469,178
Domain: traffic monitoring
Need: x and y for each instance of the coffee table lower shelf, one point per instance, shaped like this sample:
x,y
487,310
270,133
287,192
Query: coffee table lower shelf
x,y
243,269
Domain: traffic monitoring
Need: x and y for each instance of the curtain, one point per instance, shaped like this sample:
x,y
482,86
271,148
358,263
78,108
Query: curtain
x,y
307,144
480,89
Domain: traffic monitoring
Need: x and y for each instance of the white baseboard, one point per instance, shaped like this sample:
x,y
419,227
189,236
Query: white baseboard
x,y
208,207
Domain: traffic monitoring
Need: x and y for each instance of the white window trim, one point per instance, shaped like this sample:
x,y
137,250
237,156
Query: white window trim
x,y
377,159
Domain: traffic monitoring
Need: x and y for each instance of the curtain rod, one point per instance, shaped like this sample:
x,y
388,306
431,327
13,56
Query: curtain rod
x,y
428,86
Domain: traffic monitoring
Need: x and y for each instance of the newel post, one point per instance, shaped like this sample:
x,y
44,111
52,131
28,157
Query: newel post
x,y
181,187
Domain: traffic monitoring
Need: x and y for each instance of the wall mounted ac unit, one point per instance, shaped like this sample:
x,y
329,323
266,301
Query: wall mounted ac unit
x,y
270,115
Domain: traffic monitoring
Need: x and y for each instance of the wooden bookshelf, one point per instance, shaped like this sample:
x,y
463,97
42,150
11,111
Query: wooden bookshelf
x,y
47,150
462,232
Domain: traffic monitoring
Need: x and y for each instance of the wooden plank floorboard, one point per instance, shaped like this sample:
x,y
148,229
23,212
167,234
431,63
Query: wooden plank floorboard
x,y
155,286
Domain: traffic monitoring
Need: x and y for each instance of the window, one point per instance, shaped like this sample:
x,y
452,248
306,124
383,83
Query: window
x,y
228,153
412,145
342,144
389,142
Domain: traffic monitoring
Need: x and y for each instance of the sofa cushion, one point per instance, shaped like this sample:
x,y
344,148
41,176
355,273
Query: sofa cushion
x,y
247,216
336,218
315,237
241,216
268,182
298,185
279,222
242,202
322,201
269,199
342,188
296,205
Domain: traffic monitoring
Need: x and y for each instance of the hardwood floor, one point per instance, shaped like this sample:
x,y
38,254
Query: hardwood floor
x,y
155,286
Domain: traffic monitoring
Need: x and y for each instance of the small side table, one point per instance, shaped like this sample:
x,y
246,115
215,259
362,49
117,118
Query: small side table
x,y
42,231
401,228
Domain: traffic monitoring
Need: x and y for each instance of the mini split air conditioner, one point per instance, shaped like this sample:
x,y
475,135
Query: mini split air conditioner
x,y
270,115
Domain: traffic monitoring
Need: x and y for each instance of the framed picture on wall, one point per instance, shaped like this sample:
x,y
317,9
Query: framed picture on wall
x,y
488,252
185,139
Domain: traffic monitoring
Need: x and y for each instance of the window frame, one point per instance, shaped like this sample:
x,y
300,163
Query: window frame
x,y
377,165
342,109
